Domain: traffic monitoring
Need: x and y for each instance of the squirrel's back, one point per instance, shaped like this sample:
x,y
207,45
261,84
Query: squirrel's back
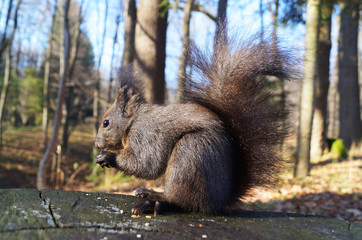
x,y
232,82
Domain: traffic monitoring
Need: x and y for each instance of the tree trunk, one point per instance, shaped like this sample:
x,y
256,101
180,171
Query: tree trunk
x,y
221,16
319,129
70,93
4,43
221,23
63,69
274,14
307,94
4,91
185,45
280,81
109,92
150,49
17,59
48,57
45,121
130,18
350,124
261,13
333,101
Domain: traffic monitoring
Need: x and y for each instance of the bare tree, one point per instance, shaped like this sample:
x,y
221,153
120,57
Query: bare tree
x,y
221,16
333,98
115,37
220,21
3,41
70,88
199,8
4,91
48,56
130,18
185,45
273,7
319,129
261,13
150,48
64,55
274,14
348,87
307,94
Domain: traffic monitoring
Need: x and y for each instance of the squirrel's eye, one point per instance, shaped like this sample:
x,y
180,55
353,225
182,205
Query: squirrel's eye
x,y
105,123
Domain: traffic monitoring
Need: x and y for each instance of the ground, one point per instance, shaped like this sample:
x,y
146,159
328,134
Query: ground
x,y
333,188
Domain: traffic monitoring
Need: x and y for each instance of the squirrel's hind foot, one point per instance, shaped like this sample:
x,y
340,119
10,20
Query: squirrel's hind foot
x,y
155,200
157,206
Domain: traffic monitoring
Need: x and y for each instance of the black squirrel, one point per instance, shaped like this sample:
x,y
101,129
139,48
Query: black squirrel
x,y
216,145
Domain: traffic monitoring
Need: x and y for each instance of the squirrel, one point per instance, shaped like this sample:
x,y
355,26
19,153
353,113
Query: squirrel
x,y
215,146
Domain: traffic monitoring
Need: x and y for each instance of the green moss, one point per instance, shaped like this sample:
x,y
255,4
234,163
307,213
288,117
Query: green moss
x,y
339,149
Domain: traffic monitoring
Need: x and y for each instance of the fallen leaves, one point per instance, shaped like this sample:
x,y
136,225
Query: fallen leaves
x,y
333,189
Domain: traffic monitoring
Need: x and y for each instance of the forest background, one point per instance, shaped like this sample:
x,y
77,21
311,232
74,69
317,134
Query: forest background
x,y
59,61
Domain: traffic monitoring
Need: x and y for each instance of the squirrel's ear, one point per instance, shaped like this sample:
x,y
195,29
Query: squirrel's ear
x,y
122,96
128,100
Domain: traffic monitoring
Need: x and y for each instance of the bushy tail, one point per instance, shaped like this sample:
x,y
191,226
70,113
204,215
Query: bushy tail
x,y
232,83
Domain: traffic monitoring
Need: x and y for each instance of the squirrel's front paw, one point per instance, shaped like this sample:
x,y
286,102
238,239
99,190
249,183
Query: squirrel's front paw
x,y
106,159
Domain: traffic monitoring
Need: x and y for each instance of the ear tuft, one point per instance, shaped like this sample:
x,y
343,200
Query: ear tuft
x,y
129,99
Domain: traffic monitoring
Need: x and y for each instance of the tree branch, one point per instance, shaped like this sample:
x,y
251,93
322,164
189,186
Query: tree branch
x,y
197,7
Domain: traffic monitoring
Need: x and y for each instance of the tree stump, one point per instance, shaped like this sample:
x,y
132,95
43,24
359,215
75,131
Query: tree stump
x,y
52,214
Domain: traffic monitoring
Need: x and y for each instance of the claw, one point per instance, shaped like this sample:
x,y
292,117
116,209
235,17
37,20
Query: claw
x,y
106,159
141,192
157,206
136,211
142,207
100,160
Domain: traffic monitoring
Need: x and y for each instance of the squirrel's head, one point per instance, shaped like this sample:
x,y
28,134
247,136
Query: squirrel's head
x,y
117,120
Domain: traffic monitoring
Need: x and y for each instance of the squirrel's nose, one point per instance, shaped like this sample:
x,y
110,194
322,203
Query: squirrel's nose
x,y
97,143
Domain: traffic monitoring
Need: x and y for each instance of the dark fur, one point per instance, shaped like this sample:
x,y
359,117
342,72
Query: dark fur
x,y
217,145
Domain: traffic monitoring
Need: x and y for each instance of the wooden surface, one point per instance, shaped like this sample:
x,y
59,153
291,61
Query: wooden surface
x,y
51,214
